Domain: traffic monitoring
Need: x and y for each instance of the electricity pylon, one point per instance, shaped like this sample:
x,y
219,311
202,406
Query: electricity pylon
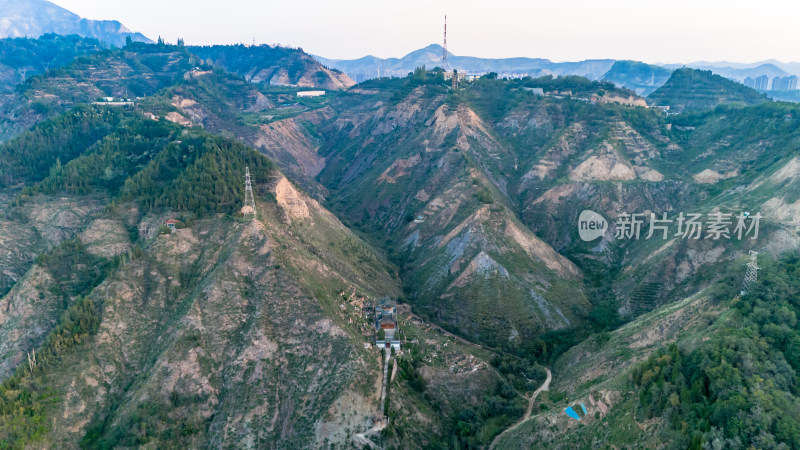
x,y
249,207
751,275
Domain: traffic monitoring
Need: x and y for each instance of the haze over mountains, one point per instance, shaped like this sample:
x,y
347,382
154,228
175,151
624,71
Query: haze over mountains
x,y
33,18
792,68
639,77
371,67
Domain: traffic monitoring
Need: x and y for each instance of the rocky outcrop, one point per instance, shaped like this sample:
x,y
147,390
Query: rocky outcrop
x,y
606,165
709,176
290,200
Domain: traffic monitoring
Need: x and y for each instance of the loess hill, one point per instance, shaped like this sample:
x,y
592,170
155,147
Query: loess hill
x,y
461,205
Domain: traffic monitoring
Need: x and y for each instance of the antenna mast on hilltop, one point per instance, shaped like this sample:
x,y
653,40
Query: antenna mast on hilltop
x,y
445,66
249,207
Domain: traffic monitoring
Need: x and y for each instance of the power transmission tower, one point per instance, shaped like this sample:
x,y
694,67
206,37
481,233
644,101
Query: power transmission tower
x,y
249,207
32,361
751,275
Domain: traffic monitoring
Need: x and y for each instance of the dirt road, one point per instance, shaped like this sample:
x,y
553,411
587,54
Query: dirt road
x,y
544,387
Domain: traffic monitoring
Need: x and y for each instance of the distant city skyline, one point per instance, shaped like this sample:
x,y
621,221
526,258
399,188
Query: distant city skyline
x,y
677,31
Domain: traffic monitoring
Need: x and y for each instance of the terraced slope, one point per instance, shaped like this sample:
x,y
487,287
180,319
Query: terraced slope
x,y
273,66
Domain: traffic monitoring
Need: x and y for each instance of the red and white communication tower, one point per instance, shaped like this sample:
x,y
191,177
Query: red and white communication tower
x,y
445,65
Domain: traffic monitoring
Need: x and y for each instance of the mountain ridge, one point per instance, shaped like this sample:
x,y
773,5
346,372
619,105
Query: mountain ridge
x,y
368,67
33,18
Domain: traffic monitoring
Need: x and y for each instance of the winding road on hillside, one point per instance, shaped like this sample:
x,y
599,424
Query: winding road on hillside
x,y
544,387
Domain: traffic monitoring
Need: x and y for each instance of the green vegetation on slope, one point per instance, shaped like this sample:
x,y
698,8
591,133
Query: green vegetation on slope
x,y
464,402
29,157
75,271
201,174
154,163
691,89
139,70
738,389
35,56
26,397
265,63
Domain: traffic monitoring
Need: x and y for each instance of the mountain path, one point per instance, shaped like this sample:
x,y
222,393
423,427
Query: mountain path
x,y
544,387
385,378
361,438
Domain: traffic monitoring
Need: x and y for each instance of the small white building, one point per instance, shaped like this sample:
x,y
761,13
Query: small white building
x,y
310,93
535,91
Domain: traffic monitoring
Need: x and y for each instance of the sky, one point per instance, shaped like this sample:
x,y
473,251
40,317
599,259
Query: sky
x,y
674,31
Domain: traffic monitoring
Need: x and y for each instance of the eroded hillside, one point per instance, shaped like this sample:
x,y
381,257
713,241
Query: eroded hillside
x,y
420,167
224,331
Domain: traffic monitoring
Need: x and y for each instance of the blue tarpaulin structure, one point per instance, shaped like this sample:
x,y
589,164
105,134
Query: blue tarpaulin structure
x,y
571,412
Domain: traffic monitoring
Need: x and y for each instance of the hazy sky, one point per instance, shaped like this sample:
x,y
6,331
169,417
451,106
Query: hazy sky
x,y
561,30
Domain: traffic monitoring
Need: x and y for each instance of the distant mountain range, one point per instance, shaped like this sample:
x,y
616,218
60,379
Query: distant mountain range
x,y
740,73
640,77
792,68
370,66
33,18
